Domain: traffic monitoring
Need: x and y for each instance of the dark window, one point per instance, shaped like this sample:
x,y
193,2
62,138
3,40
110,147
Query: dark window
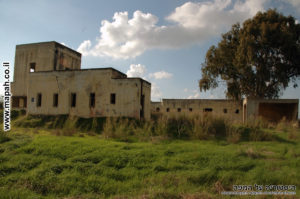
x,y
157,109
39,100
143,107
73,99
92,100
168,109
32,67
190,109
15,102
208,110
225,110
237,111
113,98
32,99
55,99
179,109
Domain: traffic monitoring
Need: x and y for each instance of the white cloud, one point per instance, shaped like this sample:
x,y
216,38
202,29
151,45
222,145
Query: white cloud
x,y
193,23
136,70
161,75
195,94
84,47
155,91
139,70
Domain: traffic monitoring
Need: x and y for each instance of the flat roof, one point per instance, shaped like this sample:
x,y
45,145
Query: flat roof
x,y
84,69
54,42
106,68
87,69
199,99
222,100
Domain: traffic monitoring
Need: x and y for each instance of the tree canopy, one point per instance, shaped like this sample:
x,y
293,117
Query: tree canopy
x,y
258,59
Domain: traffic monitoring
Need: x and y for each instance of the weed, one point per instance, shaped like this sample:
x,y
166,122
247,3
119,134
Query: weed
x,y
251,153
293,134
4,137
234,134
68,132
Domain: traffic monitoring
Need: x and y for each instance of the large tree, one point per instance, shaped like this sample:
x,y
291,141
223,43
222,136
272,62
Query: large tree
x,y
258,59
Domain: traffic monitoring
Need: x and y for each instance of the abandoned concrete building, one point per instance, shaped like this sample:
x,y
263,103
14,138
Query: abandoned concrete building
x,y
272,110
48,80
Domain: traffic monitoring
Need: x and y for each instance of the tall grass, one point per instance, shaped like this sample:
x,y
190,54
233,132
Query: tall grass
x,y
183,127
40,165
197,128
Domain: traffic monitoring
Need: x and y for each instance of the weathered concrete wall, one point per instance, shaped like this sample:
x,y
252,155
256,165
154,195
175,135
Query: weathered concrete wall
x,y
248,109
220,108
57,72
66,58
146,87
25,55
45,56
273,110
83,83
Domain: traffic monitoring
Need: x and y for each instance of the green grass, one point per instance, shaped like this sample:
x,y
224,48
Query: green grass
x,y
38,164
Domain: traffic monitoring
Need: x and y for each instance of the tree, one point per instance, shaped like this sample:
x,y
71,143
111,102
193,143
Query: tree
x,y
257,60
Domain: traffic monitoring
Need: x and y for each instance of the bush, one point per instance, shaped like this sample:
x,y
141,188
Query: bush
x,y
128,129
258,122
119,128
256,134
209,128
234,134
180,127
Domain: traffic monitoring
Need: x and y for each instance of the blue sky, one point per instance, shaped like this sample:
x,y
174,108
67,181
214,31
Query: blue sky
x,y
163,41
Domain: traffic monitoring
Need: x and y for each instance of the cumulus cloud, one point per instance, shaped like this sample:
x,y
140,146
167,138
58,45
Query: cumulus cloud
x,y
161,75
139,70
136,70
192,23
85,48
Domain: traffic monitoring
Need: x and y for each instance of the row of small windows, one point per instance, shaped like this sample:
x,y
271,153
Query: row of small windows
x,y
204,110
92,100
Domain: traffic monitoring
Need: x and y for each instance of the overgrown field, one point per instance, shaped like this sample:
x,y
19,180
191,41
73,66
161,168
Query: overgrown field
x,y
74,163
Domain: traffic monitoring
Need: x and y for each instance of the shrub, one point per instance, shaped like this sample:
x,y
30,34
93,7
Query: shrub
x,y
234,134
179,127
161,128
199,131
283,125
144,130
119,128
208,127
258,122
256,134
